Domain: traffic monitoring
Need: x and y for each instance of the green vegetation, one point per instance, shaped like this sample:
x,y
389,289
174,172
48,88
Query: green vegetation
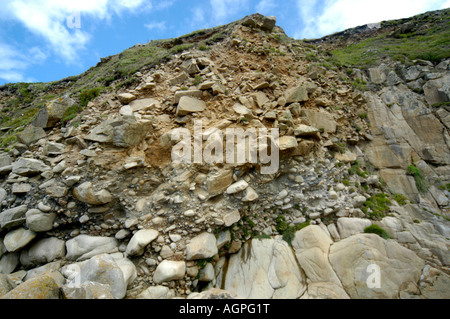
x,y
375,229
429,40
355,169
421,182
288,231
71,113
378,204
88,95
400,199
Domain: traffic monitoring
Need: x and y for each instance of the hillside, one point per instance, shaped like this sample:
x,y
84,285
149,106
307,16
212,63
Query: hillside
x,y
356,185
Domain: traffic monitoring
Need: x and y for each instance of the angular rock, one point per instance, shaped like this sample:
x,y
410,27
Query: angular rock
x,y
191,93
84,247
268,23
39,221
122,132
320,119
190,67
201,247
126,98
287,142
190,105
140,240
296,95
20,189
243,111
347,157
218,182
305,130
13,216
169,270
30,135
85,193
29,167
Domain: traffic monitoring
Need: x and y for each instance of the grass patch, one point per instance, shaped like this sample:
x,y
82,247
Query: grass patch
x,y
400,199
287,231
378,204
71,113
375,229
356,170
431,43
88,95
421,182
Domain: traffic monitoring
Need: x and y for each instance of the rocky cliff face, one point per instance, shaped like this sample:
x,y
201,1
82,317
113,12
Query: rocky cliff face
x,y
94,206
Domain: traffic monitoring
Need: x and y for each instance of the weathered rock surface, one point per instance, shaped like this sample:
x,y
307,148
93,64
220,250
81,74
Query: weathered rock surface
x,y
398,266
264,269
84,247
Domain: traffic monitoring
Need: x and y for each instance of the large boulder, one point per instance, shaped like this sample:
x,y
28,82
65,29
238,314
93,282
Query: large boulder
x,y
30,135
29,166
84,247
320,119
264,269
104,270
125,131
189,105
53,112
296,94
43,251
39,287
370,267
311,245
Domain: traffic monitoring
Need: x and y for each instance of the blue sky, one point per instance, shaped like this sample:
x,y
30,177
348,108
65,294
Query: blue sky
x,y
47,40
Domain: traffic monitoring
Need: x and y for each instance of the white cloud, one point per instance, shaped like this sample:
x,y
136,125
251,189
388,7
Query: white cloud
x,y
13,63
48,19
161,26
320,19
265,6
223,9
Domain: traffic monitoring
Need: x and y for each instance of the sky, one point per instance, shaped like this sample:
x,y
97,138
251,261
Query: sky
x,y
48,40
